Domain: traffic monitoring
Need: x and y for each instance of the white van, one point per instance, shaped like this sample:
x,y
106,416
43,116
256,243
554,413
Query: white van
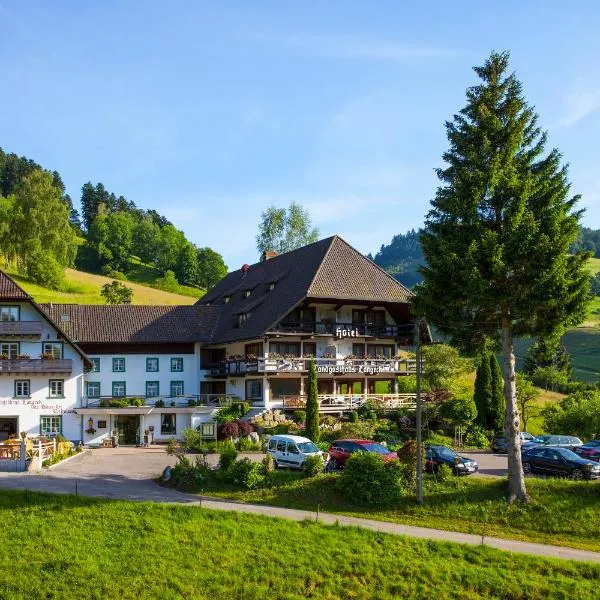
x,y
291,450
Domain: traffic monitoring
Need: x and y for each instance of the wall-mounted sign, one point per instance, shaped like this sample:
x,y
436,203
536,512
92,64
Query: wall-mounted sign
x,y
348,369
341,333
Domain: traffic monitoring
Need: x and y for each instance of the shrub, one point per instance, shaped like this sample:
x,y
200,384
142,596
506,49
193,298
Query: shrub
x,y
354,416
436,439
368,411
172,447
227,456
191,440
192,402
43,269
118,403
168,282
113,274
299,416
187,476
247,445
444,473
313,465
246,474
268,464
245,427
228,430
159,403
476,438
231,412
368,479
136,402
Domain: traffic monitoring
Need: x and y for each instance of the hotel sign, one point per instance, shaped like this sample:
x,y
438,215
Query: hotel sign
x,y
346,333
349,369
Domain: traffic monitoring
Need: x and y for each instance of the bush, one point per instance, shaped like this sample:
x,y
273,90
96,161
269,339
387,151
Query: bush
x,y
168,282
268,464
136,402
159,404
354,416
245,427
476,438
368,479
227,456
231,412
436,439
43,269
247,445
444,473
113,274
313,465
368,411
191,441
187,476
246,474
299,416
228,430
118,403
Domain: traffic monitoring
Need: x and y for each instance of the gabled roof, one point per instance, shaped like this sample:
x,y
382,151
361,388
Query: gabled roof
x,y
127,323
327,269
9,290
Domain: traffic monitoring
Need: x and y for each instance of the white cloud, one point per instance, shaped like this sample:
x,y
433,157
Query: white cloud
x,y
579,104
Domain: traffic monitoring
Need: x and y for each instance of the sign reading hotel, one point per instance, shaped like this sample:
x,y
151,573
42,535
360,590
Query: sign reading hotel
x,y
345,333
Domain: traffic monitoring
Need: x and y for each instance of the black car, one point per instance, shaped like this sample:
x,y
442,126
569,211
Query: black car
x,y
499,444
435,456
559,461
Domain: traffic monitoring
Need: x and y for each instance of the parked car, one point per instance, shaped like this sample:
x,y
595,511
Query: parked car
x,y
436,456
341,450
558,441
500,444
590,450
292,450
559,461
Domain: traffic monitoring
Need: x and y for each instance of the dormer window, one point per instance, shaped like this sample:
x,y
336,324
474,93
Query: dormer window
x,y
242,318
271,286
226,299
247,293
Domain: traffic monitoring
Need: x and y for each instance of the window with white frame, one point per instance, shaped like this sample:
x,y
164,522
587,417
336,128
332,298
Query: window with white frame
x,y
56,388
51,425
9,313
119,388
96,365
177,365
22,388
53,348
176,388
168,424
9,349
152,365
93,389
118,365
152,389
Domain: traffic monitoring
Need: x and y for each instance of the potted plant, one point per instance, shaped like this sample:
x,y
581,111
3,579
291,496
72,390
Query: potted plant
x,y
47,356
23,435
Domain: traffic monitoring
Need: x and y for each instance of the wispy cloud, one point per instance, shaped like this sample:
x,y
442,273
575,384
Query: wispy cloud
x,y
580,103
346,47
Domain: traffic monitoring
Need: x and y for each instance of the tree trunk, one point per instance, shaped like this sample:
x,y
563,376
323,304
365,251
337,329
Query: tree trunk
x,y
516,479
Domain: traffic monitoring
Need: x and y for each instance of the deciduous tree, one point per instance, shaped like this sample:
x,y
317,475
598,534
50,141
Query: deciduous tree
x,y
116,293
497,237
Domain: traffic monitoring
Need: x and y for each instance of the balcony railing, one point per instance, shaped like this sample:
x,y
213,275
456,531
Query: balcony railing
x,y
348,402
186,401
328,366
36,365
20,329
376,330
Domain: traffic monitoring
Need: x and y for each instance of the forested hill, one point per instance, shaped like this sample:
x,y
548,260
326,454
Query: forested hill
x,y
42,233
402,256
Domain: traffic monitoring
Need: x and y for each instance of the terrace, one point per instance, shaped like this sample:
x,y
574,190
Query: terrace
x,y
13,329
336,403
36,365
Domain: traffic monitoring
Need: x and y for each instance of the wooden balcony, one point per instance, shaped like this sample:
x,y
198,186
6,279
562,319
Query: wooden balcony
x,y
17,329
334,403
325,366
186,401
36,365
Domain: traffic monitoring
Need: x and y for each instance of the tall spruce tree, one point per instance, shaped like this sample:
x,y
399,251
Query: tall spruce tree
x,y
312,405
483,391
497,236
497,401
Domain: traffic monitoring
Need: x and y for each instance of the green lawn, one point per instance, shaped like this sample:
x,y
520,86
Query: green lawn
x,y
565,513
62,547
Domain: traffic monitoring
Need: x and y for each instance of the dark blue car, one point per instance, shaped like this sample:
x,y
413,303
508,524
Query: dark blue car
x,y
559,461
436,456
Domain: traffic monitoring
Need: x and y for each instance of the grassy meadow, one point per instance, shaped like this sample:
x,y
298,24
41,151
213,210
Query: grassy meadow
x,y
561,512
65,547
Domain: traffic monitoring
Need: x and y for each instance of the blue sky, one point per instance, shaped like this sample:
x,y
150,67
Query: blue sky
x,y
210,112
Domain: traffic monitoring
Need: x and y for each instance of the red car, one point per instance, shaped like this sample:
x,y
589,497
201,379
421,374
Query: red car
x,y
341,450
589,450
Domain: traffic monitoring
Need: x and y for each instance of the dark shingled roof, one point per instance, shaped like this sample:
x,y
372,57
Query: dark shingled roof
x,y
327,269
103,323
9,290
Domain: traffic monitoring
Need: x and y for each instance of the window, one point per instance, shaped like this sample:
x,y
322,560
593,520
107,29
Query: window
x,y
56,388
176,388
101,424
152,389
22,388
358,350
53,348
247,293
119,365
9,349
292,448
255,349
51,425
309,349
152,365
285,348
280,445
379,350
376,317
9,313
226,299
358,317
177,365
254,390
272,445
168,424
96,365
119,388
93,389
242,318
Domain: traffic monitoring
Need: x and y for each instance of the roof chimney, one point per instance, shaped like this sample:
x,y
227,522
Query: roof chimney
x,y
245,269
268,254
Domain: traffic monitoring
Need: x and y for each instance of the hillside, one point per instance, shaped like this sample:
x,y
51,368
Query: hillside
x,y
84,288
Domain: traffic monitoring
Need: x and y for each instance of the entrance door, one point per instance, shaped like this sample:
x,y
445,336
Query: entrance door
x,y
128,427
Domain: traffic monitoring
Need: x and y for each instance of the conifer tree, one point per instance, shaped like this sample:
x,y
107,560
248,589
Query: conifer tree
x,y
483,391
497,401
312,405
496,239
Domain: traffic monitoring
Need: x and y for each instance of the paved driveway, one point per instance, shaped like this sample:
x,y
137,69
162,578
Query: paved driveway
x,y
489,464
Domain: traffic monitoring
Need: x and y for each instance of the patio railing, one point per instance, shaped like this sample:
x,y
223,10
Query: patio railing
x,y
349,402
187,400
